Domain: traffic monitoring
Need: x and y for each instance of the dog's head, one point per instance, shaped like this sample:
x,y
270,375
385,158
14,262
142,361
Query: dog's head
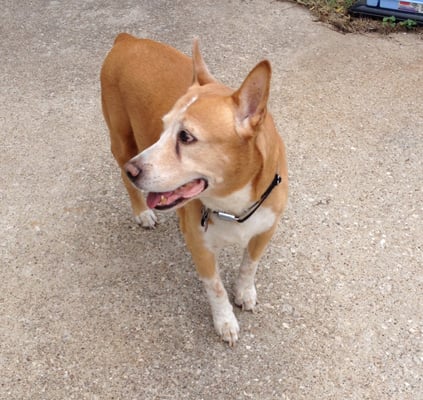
x,y
208,145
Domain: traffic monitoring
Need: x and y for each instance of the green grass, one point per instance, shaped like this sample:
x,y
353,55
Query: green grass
x,y
335,12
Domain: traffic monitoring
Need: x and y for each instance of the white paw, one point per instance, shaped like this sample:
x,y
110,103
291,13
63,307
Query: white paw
x,y
147,219
246,298
227,327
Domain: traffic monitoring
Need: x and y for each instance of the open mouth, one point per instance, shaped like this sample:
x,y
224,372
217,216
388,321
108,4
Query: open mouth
x,y
167,200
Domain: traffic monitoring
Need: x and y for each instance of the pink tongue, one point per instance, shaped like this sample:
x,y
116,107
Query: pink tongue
x,y
153,199
165,198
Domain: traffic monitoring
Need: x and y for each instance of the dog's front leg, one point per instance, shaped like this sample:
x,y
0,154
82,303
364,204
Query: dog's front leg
x,y
142,214
245,290
224,319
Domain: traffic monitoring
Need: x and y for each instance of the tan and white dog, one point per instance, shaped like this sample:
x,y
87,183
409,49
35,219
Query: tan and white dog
x,y
202,148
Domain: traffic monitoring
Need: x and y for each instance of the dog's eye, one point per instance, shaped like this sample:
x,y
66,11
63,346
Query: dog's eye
x,y
186,137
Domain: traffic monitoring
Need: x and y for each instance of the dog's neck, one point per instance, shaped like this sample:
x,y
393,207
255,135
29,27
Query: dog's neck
x,y
234,203
207,212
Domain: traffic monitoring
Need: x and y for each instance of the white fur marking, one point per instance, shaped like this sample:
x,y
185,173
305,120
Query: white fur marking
x,y
224,320
174,115
220,233
189,104
147,219
235,203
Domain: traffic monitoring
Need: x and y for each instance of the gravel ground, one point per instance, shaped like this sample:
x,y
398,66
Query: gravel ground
x,y
94,307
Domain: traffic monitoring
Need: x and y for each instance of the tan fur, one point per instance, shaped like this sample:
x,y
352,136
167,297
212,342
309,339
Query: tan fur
x,y
133,108
149,89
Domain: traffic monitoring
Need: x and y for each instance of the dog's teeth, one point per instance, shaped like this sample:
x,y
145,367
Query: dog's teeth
x,y
162,200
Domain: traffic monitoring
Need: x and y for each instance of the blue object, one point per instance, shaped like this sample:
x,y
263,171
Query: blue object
x,y
400,9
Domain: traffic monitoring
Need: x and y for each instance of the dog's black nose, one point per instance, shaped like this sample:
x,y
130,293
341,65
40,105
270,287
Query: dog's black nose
x,y
132,171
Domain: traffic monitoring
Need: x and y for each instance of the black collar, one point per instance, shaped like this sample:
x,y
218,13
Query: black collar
x,y
205,212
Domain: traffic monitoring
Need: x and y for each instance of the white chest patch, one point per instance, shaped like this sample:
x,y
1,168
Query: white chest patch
x,y
220,232
236,203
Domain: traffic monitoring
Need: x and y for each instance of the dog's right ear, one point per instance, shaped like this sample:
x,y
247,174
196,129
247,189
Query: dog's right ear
x,y
202,76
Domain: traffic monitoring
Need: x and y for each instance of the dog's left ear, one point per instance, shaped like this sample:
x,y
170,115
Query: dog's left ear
x,y
251,99
202,75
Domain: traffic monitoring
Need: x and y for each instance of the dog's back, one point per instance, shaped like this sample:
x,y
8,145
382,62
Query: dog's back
x,y
158,75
